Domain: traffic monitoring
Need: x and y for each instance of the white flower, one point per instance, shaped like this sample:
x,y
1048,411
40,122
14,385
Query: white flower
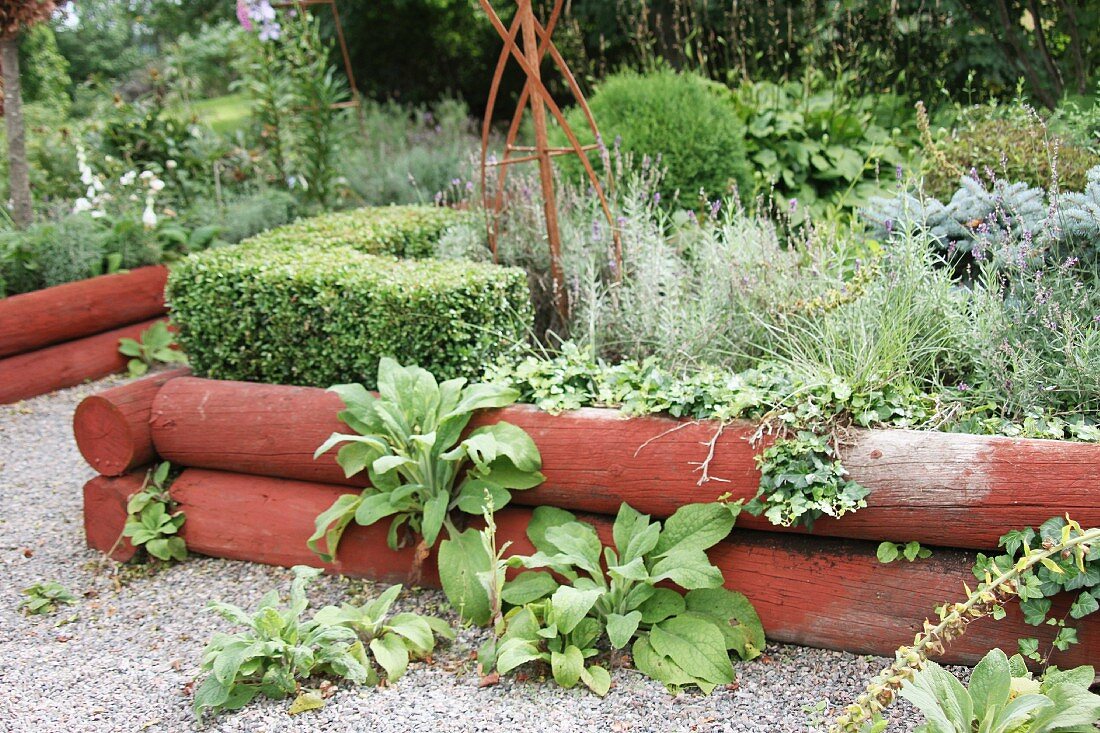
x,y
149,217
97,214
81,204
146,175
128,178
170,164
156,184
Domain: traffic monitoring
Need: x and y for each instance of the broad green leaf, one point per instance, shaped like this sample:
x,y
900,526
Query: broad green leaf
x,y
306,701
695,527
372,508
542,519
514,443
621,628
580,543
483,396
736,617
694,645
503,472
634,534
435,510
567,666
471,496
527,587
331,523
990,683
357,455
415,629
658,667
887,552
211,694
1085,604
385,464
569,605
634,570
689,568
514,652
460,560
941,697
664,603
597,679
391,654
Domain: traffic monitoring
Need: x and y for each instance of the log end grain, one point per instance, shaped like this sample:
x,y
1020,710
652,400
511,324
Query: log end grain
x,y
105,513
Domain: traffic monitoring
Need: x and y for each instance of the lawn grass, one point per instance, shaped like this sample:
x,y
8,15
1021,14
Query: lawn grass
x,y
225,114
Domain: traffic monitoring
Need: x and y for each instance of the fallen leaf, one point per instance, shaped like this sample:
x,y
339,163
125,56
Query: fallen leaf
x,y
733,686
306,700
488,680
188,689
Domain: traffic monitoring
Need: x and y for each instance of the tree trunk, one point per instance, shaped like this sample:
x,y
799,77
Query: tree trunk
x,y
18,174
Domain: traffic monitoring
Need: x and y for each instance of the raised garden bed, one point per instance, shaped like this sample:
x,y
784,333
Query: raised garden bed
x,y
65,335
251,489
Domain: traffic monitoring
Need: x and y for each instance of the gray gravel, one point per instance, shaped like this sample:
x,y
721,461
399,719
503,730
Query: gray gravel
x,y
123,658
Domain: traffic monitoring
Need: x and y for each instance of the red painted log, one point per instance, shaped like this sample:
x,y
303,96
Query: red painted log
x,y
62,313
105,513
813,591
940,489
65,365
112,428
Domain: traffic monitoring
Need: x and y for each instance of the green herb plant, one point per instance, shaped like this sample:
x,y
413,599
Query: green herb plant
x,y
391,640
422,470
888,552
276,650
153,520
45,598
155,345
1003,697
619,593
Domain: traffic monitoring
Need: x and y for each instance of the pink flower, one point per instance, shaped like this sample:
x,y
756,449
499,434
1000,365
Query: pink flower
x,y
242,15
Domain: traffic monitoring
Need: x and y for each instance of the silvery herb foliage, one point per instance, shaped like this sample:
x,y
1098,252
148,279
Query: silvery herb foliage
x,y
409,440
276,649
391,640
152,521
1003,698
612,595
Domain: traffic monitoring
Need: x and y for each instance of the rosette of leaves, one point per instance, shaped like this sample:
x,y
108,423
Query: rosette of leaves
x,y
276,650
391,640
802,479
619,594
1003,698
410,441
155,345
152,521
45,598
1076,572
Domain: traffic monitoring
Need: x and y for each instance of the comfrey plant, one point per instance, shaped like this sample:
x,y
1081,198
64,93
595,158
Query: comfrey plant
x,y
620,595
153,520
422,471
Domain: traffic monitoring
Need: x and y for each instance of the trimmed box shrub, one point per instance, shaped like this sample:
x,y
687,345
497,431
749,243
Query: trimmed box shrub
x,y
309,304
401,231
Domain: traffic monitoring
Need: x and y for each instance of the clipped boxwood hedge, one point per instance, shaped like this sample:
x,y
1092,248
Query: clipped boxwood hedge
x,y
401,231
304,310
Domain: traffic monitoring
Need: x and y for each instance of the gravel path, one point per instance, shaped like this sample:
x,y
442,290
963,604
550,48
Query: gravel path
x,y
121,659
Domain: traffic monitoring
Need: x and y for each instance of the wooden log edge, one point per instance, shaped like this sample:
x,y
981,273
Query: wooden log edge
x,y
112,427
105,499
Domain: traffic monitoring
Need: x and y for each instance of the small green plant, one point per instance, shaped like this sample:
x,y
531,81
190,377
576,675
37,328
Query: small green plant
x,y
45,598
152,521
802,479
391,640
1003,697
155,345
276,650
888,552
621,593
409,440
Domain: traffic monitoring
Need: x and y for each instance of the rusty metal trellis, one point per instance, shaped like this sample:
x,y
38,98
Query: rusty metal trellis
x,y
301,5
536,44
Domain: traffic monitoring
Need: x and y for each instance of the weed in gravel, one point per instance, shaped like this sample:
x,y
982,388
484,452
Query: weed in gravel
x,y
45,598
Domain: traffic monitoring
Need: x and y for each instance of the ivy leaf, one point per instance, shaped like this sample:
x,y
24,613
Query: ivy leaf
x,y
1085,604
1035,610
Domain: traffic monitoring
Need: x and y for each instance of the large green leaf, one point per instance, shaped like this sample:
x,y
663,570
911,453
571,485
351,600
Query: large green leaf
x,y
542,519
435,510
695,645
736,617
415,629
990,683
1074,709
634,534
567,666
461,558
657,666
372,508
529,586
482,396
687,567
695,527
597,679
331,523
569,605
580,543
391,653
514,652
663,603
621,628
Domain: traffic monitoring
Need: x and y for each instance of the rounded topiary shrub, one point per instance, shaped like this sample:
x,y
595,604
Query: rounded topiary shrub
x,y
684,118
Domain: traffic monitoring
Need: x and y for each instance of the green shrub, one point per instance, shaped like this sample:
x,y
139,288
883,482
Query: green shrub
x,y
52,253
244,216
1015,147
681,117
401,231
304,309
